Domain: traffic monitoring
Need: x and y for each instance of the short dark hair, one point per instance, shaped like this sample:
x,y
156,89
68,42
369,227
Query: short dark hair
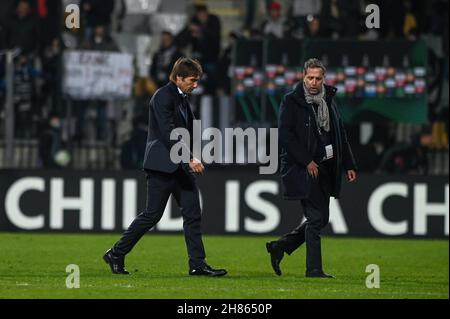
x,y
186,67
314,63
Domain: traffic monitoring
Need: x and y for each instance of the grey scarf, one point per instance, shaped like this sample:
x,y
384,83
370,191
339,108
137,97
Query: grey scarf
x,y
323,116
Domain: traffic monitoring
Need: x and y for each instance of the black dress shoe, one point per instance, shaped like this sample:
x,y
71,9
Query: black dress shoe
x,y
117,263
276,255
206,270
317,274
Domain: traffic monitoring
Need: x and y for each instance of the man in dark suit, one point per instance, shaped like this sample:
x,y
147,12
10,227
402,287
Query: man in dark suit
x,y
314,152
169,109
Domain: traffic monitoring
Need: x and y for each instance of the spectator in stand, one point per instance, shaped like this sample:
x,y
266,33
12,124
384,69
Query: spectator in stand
x,y
224,73
100,41
22,29
50,141
410,22
49,13
94,13
25,107
164,59
314,27
299,10
369,155
21,32
392,20
52,68
133,150
331,18
143,90
341,18
408,158
275,25
401,18
204,35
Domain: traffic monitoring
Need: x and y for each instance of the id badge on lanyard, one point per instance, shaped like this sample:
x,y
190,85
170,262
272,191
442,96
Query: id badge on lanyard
x,y
328,152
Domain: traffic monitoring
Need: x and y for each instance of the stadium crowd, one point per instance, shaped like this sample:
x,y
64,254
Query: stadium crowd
x,y
34,27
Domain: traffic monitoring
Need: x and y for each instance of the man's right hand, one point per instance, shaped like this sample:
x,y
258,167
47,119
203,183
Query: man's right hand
x,y
313,169
196,166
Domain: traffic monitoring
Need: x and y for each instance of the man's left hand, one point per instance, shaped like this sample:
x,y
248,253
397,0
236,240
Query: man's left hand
x,y
196,166
351,176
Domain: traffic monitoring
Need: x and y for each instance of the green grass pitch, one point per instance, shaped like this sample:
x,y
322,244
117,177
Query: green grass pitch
x,y
34,266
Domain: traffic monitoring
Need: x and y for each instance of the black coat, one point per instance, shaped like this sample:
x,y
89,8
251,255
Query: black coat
x,y
100,13
164,116
300,144
23,34
206,47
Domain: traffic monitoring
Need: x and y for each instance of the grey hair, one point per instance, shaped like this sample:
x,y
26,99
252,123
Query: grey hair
x,y
314,63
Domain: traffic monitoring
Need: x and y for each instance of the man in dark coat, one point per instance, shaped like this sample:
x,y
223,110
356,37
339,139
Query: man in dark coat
x,y
169,109
314,152
97,12
164,59
23,29
203,34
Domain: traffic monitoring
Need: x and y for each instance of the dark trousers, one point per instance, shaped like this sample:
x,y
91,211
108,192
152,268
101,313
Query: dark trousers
x,y
317,212
159,187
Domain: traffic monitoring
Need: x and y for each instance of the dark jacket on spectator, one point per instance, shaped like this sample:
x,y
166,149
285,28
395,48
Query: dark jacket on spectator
x,y
348,23
100,13
162,64
23,34
405,159
133,150
207,47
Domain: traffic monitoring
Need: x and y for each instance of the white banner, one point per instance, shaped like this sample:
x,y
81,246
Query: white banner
x,y
97,75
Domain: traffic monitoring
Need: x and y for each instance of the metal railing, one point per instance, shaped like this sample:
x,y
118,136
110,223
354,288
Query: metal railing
x,y
9,106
